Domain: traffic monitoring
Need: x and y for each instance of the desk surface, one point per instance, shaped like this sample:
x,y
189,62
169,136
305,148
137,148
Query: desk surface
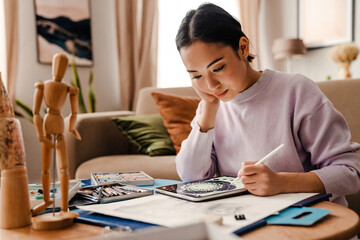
x,y
341,223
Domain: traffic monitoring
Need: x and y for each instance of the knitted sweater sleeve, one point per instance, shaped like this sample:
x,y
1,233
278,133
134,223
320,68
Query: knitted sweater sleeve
x,y
197,158
325,135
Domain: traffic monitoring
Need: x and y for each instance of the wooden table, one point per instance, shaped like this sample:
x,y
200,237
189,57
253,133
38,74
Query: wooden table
x,y
341,223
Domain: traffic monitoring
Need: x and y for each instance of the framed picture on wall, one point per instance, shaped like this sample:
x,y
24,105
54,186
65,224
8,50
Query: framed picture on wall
x,y
324,23
63,26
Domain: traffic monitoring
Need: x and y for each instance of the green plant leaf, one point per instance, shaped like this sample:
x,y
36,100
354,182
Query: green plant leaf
x,y
18,114
91,93
77,84
24,107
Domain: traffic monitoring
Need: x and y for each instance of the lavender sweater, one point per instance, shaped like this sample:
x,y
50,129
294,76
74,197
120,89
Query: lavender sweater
x,y
278,108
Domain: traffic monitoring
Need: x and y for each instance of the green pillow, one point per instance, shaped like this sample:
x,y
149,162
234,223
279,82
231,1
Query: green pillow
x,y
147,133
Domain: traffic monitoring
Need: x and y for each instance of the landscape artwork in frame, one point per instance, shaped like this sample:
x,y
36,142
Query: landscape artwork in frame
x,y
63,26
324,23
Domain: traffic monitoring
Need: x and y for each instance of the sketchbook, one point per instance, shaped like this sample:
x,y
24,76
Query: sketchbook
x,y
209,189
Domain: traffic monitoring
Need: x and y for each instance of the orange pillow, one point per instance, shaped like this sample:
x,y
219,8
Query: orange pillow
x,y
177,113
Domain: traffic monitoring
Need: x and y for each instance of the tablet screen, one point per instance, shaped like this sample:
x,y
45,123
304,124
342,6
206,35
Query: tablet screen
x,y
203,189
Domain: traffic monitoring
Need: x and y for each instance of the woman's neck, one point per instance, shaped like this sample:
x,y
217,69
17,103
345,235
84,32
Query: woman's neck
x,y
252,75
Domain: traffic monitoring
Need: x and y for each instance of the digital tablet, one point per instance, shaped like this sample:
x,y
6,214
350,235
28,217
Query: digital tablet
x,y
212,188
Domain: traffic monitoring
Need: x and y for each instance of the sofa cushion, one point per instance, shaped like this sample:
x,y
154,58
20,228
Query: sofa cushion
x,y
177,113
157,167
145,102
147,133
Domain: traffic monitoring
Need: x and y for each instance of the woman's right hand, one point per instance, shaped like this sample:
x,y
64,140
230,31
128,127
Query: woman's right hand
x,y
209,109
205,96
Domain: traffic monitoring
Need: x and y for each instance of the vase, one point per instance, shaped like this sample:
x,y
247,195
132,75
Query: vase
x,y
15,209
344,71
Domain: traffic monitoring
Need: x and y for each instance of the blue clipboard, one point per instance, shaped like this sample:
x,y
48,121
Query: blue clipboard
x,y
112,222
304,203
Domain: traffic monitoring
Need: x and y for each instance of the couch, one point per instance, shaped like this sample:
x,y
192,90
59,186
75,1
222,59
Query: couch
x,y
104,148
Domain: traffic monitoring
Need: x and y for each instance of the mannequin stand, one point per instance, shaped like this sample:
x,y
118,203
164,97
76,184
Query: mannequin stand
x,y
50,221
53,221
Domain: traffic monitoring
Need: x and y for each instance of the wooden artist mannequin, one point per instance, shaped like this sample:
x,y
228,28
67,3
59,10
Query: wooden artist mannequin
x,y
54,93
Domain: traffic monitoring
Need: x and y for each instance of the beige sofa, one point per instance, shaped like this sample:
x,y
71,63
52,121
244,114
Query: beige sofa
x,y
104,148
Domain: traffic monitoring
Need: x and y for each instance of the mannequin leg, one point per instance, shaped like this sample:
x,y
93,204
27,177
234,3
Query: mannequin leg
x,y
64,172
45,177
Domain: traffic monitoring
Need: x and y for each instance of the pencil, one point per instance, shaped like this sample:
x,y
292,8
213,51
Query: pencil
x,y
273,152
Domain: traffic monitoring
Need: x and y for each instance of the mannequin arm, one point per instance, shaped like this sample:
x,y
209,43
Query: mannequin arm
x,y
74,91
38,122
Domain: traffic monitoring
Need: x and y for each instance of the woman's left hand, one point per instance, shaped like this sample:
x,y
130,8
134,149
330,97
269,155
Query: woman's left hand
x,y
259,179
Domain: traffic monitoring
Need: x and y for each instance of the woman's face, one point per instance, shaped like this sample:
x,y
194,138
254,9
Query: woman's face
x,y
216,69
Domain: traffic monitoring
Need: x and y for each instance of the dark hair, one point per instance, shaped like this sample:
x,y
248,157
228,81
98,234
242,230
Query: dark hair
x,y
210,23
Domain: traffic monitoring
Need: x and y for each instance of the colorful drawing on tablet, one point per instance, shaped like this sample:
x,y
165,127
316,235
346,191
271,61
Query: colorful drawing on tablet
x,y
204,189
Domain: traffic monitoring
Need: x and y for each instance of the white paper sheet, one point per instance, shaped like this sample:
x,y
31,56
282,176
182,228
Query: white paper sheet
x,y
172,212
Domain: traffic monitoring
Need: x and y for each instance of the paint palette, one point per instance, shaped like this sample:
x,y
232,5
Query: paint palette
x,y
137,178
208,189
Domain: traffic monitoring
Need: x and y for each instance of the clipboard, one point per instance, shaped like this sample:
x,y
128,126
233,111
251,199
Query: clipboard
x,y
91,218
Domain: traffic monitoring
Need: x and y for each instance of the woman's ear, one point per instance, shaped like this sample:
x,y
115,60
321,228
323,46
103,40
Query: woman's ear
x,y
243,47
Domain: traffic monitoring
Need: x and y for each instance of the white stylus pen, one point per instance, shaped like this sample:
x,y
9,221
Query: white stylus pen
x,y
264,159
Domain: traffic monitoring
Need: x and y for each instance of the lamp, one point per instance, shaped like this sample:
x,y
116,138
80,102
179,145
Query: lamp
x,y
286,48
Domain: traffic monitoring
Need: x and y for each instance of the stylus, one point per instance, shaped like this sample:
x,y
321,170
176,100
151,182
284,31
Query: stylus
x,y
273,152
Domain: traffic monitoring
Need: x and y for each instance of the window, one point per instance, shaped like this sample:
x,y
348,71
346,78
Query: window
x,y
171,71
314,15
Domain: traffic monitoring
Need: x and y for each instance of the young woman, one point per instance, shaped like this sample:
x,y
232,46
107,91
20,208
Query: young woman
x,y
245,114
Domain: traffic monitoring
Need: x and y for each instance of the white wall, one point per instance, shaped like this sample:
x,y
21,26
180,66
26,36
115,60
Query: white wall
x,y
105,69
278,18
104,55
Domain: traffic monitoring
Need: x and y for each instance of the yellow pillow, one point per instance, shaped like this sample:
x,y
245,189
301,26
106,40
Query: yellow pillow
x,y
177,113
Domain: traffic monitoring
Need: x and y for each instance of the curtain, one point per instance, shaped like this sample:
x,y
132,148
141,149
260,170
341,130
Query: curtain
x,y
249,19
137,40
11,43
